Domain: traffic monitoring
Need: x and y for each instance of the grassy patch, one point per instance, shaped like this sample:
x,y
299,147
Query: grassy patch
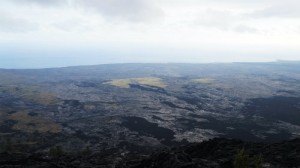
x,y
41,98
31,94
204,80
149,81
11,78
122,83
33,124
3,115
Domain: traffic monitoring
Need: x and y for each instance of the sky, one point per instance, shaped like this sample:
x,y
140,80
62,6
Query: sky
x,y
58,33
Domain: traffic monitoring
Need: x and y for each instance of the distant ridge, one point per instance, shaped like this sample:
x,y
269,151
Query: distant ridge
x,y
165,63
288,61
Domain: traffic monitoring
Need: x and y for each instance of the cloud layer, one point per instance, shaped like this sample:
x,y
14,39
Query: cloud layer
x,y
13,24
40,2
285,10
128,10
202,26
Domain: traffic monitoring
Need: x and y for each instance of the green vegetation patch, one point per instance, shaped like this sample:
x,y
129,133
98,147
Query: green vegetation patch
x,y
33,124
242,160
3,116
32,94
148,81
122,83
203,80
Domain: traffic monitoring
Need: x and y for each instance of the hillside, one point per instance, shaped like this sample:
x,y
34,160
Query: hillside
x,y
128,109
215,153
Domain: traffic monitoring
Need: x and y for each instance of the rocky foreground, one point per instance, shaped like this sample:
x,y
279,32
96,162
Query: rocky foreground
x,y
214,153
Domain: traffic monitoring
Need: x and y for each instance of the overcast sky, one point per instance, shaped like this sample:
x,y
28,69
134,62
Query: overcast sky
x,y
54,33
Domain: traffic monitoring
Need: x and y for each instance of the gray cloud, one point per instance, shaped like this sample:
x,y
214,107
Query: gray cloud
x,y
224,20
245,29
41,2
129,10
216,19
12,24
288,9
72,25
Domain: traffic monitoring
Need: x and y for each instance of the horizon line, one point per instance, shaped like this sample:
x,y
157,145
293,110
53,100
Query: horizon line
x,y
118,63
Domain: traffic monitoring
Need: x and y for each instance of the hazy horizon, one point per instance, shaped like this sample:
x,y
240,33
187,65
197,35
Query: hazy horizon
x,y
60,33
65,65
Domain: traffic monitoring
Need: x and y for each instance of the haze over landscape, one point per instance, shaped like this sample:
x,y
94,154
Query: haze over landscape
x,y
56,33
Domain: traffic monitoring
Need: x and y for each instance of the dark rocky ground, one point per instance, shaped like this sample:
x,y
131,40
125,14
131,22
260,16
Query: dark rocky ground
x,y
123,111
215,153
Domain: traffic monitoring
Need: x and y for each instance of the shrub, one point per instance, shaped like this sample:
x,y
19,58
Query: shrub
x,y
56,151
86,151
242,160
258,161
